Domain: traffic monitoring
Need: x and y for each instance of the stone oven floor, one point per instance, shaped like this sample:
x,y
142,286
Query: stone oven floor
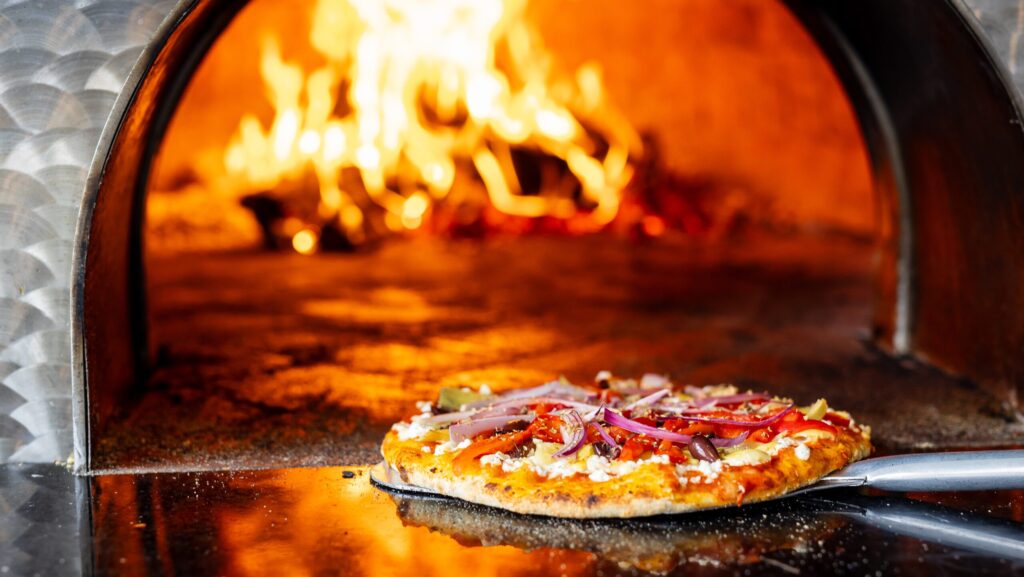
x,y
277,360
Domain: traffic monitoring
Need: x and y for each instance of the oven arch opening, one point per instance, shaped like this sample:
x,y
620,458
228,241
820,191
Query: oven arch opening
x,y
109,297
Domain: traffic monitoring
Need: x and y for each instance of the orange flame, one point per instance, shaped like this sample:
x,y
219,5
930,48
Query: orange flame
x,y
410,90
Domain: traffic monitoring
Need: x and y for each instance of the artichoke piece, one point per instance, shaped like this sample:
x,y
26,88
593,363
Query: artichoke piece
x,y
816,411
452,398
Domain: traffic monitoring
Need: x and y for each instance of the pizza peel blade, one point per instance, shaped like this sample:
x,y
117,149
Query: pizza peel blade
x,y
385,476
922,472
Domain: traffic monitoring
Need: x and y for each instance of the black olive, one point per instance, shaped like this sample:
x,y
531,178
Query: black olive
x,y
702,449
521,450
607,451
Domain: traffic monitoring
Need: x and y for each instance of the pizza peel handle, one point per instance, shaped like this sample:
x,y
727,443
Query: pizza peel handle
x,y
959,471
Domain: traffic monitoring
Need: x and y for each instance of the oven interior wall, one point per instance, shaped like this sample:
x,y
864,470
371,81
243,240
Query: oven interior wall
x,y
266,358
733,97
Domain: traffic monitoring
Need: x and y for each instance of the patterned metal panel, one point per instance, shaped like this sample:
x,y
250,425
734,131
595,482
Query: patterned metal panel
x,y
63,63
42,511
1003,24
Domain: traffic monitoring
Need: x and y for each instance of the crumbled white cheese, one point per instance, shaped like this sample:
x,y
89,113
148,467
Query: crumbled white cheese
x,y
803,452
485,389
561,468
449,447
494,459
424,407
603,376
708,471
425,449
777,444
662,459
599,469
413,430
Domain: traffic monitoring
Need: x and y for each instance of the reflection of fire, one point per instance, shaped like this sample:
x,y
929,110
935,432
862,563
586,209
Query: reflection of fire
x,y
411,92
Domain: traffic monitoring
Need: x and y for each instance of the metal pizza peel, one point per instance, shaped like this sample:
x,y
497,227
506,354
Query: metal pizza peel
x,y
921,472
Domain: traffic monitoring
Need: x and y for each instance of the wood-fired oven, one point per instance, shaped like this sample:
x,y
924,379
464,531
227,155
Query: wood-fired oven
x,y
221,248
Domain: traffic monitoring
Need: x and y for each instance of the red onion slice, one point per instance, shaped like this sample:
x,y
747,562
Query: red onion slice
x,y
734,423
731,441
495,412
649,399
470,429
557,389
545,400
705,403
574,434
604,435
615,419
728,399
445,418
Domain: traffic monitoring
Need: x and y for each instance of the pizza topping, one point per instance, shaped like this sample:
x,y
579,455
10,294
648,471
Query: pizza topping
x,y
548,400
560,389
816,411
747,457
613,418
453,399
413,430
476,427
653,381
647,400
702,449
608,439
573,434
803,452
740,420
559,429
712,401
483,447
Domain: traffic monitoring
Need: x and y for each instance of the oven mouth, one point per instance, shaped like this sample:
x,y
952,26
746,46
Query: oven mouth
x,y
193,360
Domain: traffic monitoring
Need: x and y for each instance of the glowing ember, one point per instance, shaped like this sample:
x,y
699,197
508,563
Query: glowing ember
x,y
414,91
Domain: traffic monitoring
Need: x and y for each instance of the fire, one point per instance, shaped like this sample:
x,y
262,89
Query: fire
x,y
414,92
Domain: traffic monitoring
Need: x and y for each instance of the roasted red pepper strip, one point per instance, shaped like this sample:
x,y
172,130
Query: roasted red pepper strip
x,y
796,426
684,427
479,448
618,433
837,419
547,428
674,452
763,435
637,446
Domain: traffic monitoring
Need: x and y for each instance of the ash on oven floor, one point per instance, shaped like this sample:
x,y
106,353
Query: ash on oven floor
x,y
280,360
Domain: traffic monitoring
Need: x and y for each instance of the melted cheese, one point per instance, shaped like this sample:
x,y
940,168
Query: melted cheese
x,y
747,457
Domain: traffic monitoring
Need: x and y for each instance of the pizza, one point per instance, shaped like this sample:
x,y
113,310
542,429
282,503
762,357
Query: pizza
x,y
619,447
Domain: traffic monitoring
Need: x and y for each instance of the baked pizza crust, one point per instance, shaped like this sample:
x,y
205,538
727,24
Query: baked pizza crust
x,y
653,488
